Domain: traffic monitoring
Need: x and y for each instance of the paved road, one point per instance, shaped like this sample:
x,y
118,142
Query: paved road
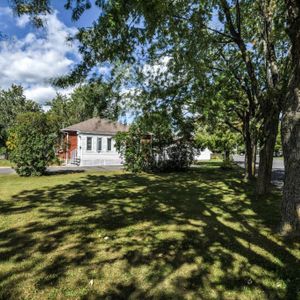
x,y
65,170
4,170
277,175
277,172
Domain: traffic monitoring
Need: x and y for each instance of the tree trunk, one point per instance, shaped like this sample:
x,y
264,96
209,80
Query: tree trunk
x,y
291,129
226,155
254,159
270,132
270,106
249,158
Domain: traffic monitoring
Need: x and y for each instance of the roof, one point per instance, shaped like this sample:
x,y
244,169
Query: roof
x,y
98,125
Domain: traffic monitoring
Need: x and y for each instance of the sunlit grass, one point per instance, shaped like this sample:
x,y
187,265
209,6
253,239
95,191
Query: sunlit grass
x,y
201,234
5,163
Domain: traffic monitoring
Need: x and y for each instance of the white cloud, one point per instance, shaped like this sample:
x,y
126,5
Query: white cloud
x,y
45,93
5,11
23,21
38,57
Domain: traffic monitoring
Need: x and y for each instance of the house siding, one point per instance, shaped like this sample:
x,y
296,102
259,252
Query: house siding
x,y
71,144
94,157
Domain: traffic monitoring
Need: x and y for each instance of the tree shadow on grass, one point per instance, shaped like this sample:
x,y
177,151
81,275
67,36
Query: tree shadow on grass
x,y
200,234
63,172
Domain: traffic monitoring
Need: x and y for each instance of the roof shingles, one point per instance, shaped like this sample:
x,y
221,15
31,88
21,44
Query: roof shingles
x,y
97,126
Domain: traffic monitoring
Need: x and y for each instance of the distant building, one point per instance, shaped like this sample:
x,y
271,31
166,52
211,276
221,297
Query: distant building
x,y
91,143
203,154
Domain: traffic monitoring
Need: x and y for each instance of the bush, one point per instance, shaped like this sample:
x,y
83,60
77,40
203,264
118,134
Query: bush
x,y
2,151
180,155
152,147
31,144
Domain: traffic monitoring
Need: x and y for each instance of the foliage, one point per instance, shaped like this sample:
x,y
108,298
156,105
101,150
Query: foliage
x,y
2,151
217,140
31,143
151,145
86,101
180,155
95,98
12,103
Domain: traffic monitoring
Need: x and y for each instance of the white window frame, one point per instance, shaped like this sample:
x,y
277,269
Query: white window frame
x,y
99,139
109,150
89,137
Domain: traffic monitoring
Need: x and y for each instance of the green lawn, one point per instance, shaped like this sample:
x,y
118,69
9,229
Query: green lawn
x,y
5,163
196,235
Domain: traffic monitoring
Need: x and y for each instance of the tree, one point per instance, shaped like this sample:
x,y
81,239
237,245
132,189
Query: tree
x,y
31,143
153,144
86,101
217,140
12,103
290,127
181,30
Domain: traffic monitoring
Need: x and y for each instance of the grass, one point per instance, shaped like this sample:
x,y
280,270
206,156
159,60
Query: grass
x,y
5,163
196,235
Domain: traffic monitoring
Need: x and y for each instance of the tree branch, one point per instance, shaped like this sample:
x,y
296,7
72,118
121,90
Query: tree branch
x,y
233,127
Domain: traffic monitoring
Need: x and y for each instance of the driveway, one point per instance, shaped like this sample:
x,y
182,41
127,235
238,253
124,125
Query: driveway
x,y
65,170
277,171
6,170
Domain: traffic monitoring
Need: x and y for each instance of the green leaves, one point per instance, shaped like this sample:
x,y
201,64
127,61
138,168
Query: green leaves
x,y
12,103
86,101
31,144
152,145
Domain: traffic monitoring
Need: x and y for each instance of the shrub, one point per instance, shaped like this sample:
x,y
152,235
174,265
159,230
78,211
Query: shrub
x,y
31,144
180,155
151,146
2,151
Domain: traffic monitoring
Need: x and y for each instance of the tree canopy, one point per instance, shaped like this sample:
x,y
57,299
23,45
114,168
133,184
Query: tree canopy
x,y
193,48
31,143
12,103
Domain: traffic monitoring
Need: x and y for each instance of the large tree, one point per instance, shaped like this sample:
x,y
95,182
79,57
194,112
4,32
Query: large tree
x,y
251,33
12,103
86,101
290,127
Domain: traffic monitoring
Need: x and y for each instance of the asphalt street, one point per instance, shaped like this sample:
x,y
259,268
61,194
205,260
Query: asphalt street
x,y
277,174
277,171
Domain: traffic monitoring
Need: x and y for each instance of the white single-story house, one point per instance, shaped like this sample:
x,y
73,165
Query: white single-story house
x,y
91,143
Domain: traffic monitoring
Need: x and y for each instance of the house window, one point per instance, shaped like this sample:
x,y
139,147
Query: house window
x,y
88,143
99,144
109,144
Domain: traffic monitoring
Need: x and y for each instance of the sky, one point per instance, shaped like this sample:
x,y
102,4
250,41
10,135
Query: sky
x,y
31,57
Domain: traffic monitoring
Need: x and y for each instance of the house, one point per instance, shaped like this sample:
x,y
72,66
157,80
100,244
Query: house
x,y
202,154
91,143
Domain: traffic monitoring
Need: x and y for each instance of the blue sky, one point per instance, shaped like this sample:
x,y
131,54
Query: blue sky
x,y
31,56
